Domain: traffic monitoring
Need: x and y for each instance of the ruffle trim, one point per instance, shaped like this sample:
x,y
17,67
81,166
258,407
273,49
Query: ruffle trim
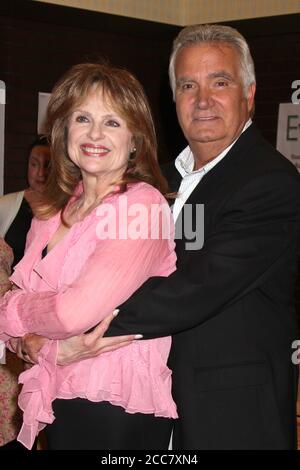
x,y
35,399
139,383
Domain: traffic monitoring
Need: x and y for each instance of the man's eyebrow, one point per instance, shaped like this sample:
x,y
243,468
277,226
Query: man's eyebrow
x,y
184,79
217,74
221,74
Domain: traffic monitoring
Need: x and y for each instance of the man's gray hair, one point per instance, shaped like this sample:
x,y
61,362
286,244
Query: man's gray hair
x,y
213,33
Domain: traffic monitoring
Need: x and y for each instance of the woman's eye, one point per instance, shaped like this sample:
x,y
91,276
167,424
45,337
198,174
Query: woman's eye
x,y
112,123
81,118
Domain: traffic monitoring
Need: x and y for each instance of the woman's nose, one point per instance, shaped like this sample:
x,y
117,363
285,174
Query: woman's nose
x,y
95,132
41,172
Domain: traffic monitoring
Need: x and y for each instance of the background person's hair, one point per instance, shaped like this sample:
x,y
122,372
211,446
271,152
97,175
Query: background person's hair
x,y
40,140
126,95
213,33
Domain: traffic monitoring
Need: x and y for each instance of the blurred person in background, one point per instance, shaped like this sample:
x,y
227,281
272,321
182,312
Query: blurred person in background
x,y
16,209
16,212
10,368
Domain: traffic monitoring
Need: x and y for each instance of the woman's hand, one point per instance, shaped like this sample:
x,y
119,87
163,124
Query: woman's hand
x,y
92,344
28,347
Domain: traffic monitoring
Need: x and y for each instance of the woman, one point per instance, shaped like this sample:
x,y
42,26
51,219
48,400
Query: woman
x,y
16,212
16,209
10,367
102,230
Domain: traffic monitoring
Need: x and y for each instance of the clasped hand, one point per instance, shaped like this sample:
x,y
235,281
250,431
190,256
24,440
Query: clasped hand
x,y
76,348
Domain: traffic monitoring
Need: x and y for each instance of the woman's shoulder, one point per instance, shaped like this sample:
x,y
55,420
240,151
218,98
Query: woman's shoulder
x,y
9,206
10,198
39,224
144,192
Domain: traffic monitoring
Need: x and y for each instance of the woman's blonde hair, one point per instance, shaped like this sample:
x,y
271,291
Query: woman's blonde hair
x,y
126,95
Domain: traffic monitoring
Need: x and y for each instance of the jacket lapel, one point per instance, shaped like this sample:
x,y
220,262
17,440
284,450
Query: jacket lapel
x,y
213,180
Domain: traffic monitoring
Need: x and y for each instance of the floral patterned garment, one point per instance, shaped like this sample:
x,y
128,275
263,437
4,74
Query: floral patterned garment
x,y
9,413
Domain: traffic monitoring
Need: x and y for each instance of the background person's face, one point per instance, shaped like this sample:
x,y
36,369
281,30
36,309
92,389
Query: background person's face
x,y
210,100
38,167
99,141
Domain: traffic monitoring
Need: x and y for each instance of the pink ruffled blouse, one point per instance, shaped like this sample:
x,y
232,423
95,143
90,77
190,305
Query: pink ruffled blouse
x,y
98,264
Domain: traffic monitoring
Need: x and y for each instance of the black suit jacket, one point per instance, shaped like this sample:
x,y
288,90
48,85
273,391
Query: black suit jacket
x,y
230,305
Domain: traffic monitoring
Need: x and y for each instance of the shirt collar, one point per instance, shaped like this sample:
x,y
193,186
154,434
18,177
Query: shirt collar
x,y
185,160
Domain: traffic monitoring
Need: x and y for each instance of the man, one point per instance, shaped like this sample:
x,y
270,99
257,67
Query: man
x,y
230,304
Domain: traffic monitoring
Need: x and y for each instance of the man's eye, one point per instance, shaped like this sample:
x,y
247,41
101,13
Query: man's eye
x,y
221,83
81,118
112,123
186,86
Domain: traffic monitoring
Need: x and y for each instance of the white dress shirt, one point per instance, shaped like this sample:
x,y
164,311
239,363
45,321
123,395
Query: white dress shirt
x,y
190,178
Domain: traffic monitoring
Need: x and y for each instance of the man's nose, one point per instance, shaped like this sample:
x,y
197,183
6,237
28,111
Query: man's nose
x,y
203,97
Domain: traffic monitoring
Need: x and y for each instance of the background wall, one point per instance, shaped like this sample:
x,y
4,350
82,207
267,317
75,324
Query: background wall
x,y
202,11
40,41
163,11
183,12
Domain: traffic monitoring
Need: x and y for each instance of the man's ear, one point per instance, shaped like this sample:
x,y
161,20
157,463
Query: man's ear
x,y
250,97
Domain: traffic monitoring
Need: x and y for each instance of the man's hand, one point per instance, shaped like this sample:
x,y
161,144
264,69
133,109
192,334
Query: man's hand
x,y
75,348
92,344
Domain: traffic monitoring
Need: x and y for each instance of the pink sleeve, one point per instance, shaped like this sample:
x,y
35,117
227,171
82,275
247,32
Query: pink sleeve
x,y
4,336
111,274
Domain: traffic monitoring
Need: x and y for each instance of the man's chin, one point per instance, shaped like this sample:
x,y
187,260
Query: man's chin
x,y
204,137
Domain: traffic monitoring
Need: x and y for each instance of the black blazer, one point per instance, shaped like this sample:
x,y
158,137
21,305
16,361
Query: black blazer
x,y
230,305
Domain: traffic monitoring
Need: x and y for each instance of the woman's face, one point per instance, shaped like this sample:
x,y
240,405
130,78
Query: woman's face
x,y
38,167
99,141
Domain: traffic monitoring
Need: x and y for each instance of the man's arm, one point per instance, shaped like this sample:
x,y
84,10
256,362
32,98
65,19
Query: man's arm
x,y
260,224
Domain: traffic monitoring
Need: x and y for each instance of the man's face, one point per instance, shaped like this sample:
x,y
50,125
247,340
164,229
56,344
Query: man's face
x,y
211,103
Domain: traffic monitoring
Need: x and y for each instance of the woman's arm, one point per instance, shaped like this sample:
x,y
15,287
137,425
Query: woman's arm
x,y
75,348
6,259
111,274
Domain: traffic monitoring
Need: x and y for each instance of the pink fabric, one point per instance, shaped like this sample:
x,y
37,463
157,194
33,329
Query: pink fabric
x,y
80,281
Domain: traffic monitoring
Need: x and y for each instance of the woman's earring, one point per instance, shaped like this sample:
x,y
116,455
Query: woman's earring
x,y
133,150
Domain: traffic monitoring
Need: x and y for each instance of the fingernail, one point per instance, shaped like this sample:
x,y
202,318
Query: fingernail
x,y
138,337
115,312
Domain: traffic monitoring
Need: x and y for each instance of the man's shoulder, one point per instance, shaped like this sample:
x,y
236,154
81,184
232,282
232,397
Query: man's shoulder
x,y
262,155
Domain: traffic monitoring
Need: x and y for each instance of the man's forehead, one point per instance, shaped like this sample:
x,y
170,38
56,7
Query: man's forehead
x,y
195,55
218,47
